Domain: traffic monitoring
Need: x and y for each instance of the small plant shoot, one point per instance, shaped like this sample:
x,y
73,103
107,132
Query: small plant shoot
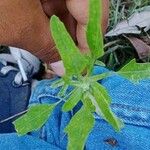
x,y
85,87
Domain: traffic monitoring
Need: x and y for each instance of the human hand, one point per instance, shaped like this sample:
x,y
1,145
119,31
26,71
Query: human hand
x,y
74,14
24,24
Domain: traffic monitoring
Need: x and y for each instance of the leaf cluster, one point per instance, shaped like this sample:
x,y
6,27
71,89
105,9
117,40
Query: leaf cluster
x,y
86,89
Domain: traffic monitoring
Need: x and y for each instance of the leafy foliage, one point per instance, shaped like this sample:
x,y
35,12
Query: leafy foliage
x,y
102,101
79,128
70,54
74,98
94,31
135,71
86,88
35,118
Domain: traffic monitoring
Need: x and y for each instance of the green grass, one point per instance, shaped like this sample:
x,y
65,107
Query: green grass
x,y
122,9
118,51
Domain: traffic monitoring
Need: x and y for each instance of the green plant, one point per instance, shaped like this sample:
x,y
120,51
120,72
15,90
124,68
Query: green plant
x,y
118,50
86,88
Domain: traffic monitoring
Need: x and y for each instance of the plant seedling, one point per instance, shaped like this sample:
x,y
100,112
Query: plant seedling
x,y
86,89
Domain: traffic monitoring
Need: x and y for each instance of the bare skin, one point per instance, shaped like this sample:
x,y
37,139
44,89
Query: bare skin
x,y
25,24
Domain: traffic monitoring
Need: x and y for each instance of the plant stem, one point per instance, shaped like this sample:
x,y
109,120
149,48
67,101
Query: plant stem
x,y
111,43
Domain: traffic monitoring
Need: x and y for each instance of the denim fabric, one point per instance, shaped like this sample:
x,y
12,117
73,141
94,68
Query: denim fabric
x,y
130,102
13,99
13,142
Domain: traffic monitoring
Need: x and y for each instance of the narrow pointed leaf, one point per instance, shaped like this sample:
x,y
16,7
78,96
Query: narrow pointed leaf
x,y
57,83
87,103
34,119
63,90
105,110
103,92
73,60
135,71
101,76
72,101
79,128
94,31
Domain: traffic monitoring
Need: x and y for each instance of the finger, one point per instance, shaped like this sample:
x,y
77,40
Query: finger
x,y
79,10
58,68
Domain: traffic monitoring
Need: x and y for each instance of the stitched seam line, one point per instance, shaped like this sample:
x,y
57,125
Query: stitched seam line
x,y
114,105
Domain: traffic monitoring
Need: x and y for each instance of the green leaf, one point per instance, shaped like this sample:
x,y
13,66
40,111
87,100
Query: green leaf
x,y
101,103
101,76
103,92
87,102
79,128
135,71
57,83
63,90
74,62
72,101
34,119
94,31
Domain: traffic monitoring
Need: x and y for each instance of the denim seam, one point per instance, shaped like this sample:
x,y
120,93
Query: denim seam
x,y
131,121
117,107
138,120
48,95
114,105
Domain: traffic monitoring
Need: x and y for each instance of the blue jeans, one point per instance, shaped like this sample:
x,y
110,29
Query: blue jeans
x,y
13,98
130,102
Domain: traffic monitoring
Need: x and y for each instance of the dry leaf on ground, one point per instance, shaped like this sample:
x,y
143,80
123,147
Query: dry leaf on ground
x,y
133,25
141,47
